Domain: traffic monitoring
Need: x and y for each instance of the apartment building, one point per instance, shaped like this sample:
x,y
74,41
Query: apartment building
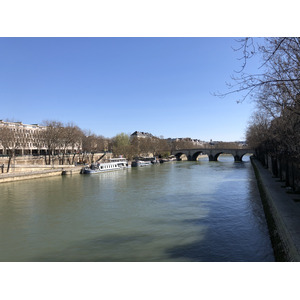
x,y
141,134
26,139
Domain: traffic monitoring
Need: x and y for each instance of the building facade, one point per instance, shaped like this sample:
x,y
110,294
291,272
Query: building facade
x,y
25,139
22,138
141,134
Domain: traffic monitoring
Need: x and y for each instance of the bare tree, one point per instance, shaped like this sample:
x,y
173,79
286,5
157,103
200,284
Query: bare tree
x,y
258,130
274,131
279,70
135,143
38,141
163,148
183,143
92,143
70,139
51,137
102,143
9,142
159,146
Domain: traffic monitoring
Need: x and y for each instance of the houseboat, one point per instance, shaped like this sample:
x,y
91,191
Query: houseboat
x,y
112,165
170,158
141,163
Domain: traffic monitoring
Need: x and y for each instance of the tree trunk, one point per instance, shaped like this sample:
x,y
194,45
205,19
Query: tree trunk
x,y
280,168
9,162
287,173
293,176
49,153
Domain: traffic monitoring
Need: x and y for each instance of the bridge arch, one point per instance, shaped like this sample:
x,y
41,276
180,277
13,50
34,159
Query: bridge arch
x,y
214,157
196,154
246,153
238,157
181,155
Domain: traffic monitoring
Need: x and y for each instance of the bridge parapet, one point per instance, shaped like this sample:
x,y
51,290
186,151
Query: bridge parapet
x,y
213,154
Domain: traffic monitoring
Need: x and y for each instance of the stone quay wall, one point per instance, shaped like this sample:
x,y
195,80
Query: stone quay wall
x,y
42,173
29,163
282,210
32,167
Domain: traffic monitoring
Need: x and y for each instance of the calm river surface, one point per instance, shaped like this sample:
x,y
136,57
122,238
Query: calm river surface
x,y
179,211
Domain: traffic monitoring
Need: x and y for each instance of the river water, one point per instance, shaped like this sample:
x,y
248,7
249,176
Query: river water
x,y
179,211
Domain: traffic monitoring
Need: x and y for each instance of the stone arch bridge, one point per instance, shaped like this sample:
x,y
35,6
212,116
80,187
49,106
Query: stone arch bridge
x,y
213,154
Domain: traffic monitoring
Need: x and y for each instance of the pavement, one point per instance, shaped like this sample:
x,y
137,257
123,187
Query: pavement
x,y
285,210
16,176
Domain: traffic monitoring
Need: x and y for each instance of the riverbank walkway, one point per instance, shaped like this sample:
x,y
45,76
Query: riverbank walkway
x,y
55,171
284,207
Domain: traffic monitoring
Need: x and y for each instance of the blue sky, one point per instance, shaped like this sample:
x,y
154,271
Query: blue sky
x,y
110,85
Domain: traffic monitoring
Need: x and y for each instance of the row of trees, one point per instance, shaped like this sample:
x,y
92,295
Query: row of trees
x,y
274,129
56,138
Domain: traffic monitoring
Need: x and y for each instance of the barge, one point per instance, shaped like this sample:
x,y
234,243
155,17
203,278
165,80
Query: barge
x,y
112,165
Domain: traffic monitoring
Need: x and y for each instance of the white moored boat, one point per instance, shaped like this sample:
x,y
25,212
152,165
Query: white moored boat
x,y
111,165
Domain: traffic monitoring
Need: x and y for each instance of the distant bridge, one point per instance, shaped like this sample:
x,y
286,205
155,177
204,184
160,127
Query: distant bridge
x,y
213,154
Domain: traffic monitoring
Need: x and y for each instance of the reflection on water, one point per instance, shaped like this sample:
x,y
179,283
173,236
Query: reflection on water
x,y
181,211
